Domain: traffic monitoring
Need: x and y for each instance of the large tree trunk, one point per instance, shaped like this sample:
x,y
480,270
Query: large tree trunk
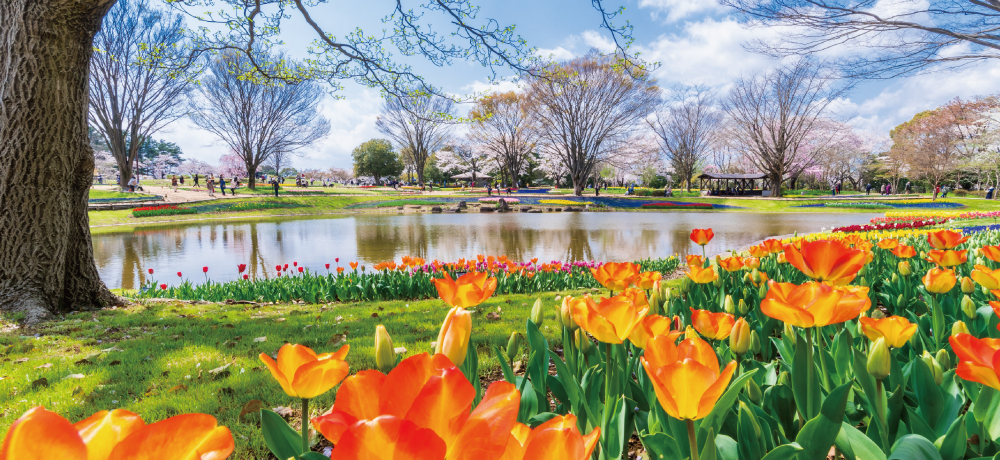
x,y
46,163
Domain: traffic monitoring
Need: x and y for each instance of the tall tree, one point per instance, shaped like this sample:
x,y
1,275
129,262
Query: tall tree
x,y
419,123
132,95
685,129
464,156
929,143
586,107
894,39
376,158
773,113
256,119
502,127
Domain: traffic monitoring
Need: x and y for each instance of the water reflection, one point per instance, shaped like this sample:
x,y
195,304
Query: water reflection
x,y
123,258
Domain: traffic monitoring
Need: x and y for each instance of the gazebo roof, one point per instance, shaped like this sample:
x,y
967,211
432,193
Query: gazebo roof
x,y
732,176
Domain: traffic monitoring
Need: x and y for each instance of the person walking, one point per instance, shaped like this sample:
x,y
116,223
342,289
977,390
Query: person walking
x,y
210,185
132,184
868,188
195,179
222,184
274,183
937,190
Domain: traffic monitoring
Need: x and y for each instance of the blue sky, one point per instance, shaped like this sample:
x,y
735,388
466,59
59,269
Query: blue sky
x,y
694,41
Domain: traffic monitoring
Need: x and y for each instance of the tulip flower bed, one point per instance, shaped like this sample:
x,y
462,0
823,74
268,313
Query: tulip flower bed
x,y
889,226
496,199
413,278
161,210
672,205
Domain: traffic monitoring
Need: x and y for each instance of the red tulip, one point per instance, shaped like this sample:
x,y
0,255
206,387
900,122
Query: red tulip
x,y
337,260
178,274
277,267
702,236
242,267
327,266
300,269
246,277
163,286
150,271
286,267
204,269
295,264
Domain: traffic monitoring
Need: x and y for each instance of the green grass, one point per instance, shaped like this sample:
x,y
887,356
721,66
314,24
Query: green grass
x,y
155,359
106,194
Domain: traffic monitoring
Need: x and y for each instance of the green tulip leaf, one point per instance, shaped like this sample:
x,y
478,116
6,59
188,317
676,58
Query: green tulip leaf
x,y
855,445
914,447
723,407
952,445
281,439
821,432
785,452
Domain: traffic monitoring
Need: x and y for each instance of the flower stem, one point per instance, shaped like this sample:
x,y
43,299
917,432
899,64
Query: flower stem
x,y
810,376
880,409
305,425
692,439
608,406
822,359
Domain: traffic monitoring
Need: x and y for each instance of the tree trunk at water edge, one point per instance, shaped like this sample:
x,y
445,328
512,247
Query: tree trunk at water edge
x,y
46,163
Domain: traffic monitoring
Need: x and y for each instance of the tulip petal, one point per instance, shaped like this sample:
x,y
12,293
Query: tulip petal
x,y
498,410
293,356
787,313
714,392
103,430
585,314
443,404
42,434
389,437
664,393
318,377
688,381
700,351
515,442
404,382
359,395
183,437
982,374
278,376
333,424
555,444
979,352
661,351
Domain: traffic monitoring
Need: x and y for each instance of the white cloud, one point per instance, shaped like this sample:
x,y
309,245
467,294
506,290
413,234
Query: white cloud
x,y
679,9
594,39
558,53
484,87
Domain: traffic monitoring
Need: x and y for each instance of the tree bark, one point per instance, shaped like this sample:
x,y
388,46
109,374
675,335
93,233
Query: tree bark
x,y
46,162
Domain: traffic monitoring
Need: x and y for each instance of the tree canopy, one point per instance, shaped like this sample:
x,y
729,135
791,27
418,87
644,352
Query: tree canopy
x,y
377,159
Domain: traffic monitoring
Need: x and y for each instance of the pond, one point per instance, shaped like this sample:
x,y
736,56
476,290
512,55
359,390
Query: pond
x,y
123,258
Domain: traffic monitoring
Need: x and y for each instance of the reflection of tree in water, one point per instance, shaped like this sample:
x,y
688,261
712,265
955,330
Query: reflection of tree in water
x,y
380,238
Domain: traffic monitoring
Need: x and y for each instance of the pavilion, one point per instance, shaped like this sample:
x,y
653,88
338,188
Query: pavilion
x,y
735,184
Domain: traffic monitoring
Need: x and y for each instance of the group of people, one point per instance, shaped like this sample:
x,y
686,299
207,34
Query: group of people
x,y
210,184
886,189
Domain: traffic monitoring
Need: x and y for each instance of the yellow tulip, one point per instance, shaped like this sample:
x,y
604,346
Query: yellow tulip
x,y
304,374
453,339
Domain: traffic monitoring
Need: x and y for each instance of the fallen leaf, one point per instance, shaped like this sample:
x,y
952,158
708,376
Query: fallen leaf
x,y
114,363
219,369
44,366
283,411
400,350
492,316
178,388
253,405
260,339
42,382
74,376
279,320
77,390
228,326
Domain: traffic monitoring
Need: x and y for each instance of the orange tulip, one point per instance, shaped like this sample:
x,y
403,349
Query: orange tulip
x,y
702,275
103,430
939,280
115,435
859,300
979,359
556,439
986,277
729,264
702,236
763,279
782,259
616,276
695,260
453,338
686,377
904,252
888,243
715,326
645,280
637,297
896,330
826,260
372,413
652,326
810,304
354,265
773,246
468,290
947,258
991,252
945,239
304,374
758,251
610,321
751,263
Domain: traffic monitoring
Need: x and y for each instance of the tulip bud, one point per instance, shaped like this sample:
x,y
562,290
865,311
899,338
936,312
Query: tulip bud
x,y
654,303
754,342
879,360
968,307
790,333
967,286
717,282
986,290
739,338
863,271
904,268
729,305
743,307
753,392
901,301
385,353
980,260
894,278
781,258
923,255
762,291
559,322
944,359
746,292
863,282
877,314
582,341
566,314
959,328
686,285
453,340
513,346
536,313
690,333
934,367
755,275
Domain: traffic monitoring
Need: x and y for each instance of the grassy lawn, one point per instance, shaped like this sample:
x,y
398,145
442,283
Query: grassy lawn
x,y
105,194
164,359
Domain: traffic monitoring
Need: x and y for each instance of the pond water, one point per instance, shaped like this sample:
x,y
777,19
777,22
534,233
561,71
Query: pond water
x,y
123,258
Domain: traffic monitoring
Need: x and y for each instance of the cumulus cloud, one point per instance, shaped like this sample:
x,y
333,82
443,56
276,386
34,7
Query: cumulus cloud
x,y
674,10
483,87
